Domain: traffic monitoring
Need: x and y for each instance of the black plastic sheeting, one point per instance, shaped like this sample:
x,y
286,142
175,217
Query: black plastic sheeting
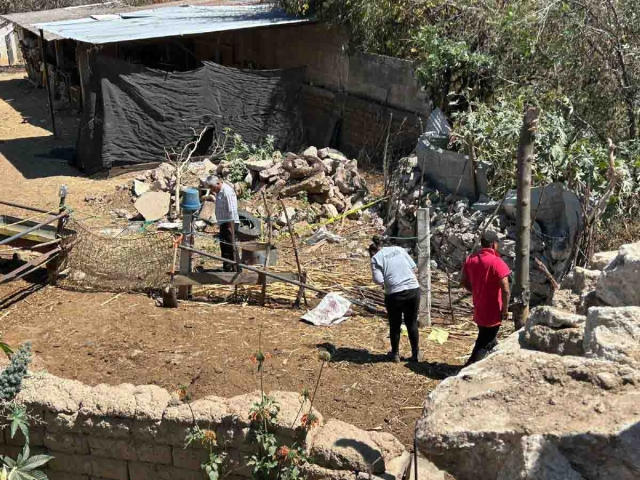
x,y
132,113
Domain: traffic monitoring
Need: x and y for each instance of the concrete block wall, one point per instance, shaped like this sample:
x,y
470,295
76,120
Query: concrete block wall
x,y
129,432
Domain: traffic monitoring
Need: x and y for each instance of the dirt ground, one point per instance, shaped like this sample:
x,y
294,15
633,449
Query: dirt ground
x,y
115,338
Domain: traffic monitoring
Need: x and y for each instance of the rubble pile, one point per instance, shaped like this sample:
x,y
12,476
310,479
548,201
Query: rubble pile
x,y
325,177
457,222
558,400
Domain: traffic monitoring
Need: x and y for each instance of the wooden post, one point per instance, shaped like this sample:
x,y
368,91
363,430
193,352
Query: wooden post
x,y
263,293
53,267
424,266
184,292
46,75
526,151
301,275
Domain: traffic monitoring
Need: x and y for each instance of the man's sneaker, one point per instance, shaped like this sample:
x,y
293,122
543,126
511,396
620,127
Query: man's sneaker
x,y
393,357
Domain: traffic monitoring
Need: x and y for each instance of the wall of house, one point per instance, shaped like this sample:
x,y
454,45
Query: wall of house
x,y
352,102
132,432
10,53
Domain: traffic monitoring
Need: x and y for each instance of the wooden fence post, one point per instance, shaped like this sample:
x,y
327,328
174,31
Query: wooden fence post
x,y
526,152
424,266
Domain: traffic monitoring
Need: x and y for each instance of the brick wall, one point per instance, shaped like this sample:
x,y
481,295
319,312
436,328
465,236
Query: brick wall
x,y
131,432
349,98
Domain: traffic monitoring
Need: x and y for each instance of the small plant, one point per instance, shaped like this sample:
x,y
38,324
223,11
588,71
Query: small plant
x,y
239,152
15,417
208,439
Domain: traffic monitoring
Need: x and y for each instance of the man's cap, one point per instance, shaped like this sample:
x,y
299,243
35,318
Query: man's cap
x,y
212,180
489,236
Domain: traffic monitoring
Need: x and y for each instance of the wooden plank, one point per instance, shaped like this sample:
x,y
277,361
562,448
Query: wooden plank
x,y
227,278
29,266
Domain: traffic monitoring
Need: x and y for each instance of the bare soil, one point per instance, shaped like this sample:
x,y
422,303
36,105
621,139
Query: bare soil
x,y
107,338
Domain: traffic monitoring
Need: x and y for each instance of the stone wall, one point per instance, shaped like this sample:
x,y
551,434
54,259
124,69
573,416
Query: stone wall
x,y
129,432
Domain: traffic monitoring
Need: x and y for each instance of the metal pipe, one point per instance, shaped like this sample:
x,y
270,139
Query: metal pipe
x,y
277,277
46,74
24,207
36,227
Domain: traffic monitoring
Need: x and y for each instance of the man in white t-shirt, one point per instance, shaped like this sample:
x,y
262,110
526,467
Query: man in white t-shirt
x,y
227,218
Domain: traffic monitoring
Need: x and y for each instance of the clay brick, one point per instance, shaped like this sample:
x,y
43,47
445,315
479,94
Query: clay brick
x,y
109,468
152,432
107,427
148,471
66,443
130,450
189,459
36,437
62,422
79,464
54,475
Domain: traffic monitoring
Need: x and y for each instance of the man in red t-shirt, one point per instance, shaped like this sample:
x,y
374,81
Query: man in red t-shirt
x,y
486,275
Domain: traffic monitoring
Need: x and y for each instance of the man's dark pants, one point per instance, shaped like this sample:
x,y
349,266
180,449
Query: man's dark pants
x,y
485,342
227,237
404,305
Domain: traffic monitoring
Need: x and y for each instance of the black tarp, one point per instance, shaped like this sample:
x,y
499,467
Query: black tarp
x,y
133,113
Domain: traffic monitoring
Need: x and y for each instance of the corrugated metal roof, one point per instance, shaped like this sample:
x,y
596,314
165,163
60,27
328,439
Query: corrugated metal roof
x,y
167,22
29,20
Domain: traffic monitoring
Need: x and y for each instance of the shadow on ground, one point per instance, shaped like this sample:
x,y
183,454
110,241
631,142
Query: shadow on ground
x,y
434,370
33,152
358,356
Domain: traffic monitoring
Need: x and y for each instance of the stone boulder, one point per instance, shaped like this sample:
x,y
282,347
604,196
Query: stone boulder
x,y
341,446
565,299
316,184
613,334
555,331
258,165
474,423
600,260
538,459
618,284
585,280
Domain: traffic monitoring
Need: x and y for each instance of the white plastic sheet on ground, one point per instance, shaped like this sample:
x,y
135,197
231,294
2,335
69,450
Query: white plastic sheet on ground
x,y
323,234
332,310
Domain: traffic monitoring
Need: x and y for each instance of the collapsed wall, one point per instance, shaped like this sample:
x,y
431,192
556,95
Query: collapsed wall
x,y
558,401
138,432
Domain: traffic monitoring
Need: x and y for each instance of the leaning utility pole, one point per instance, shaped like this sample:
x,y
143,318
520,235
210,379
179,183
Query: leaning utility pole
x,y
526,152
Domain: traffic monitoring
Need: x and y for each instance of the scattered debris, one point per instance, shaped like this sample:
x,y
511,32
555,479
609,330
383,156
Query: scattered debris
x,y
153,205
323,234
332,310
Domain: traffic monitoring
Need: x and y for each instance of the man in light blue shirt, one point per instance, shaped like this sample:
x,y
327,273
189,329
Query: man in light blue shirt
x,y
395,269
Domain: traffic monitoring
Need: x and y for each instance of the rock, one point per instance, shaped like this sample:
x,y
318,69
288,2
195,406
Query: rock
x,y
140,188
122,213
208,166
565,299
329,166
248,179
588,300
585,280
164,170
323,153
613,334
312,151
316,184
259,165
270,175
153,205
507,248
555,331
341,446
342,181
357,214
329,210
282,220
538,459
485,207
159,185
77,276
554,318
600,260
337,156
618,284
426,470
474,423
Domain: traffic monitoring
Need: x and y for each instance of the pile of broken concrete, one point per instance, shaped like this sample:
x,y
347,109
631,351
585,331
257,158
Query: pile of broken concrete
x,y
560,399
457,221
325,177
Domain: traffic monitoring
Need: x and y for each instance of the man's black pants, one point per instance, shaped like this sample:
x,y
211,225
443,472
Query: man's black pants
x,y
485,342
227,238
404,305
